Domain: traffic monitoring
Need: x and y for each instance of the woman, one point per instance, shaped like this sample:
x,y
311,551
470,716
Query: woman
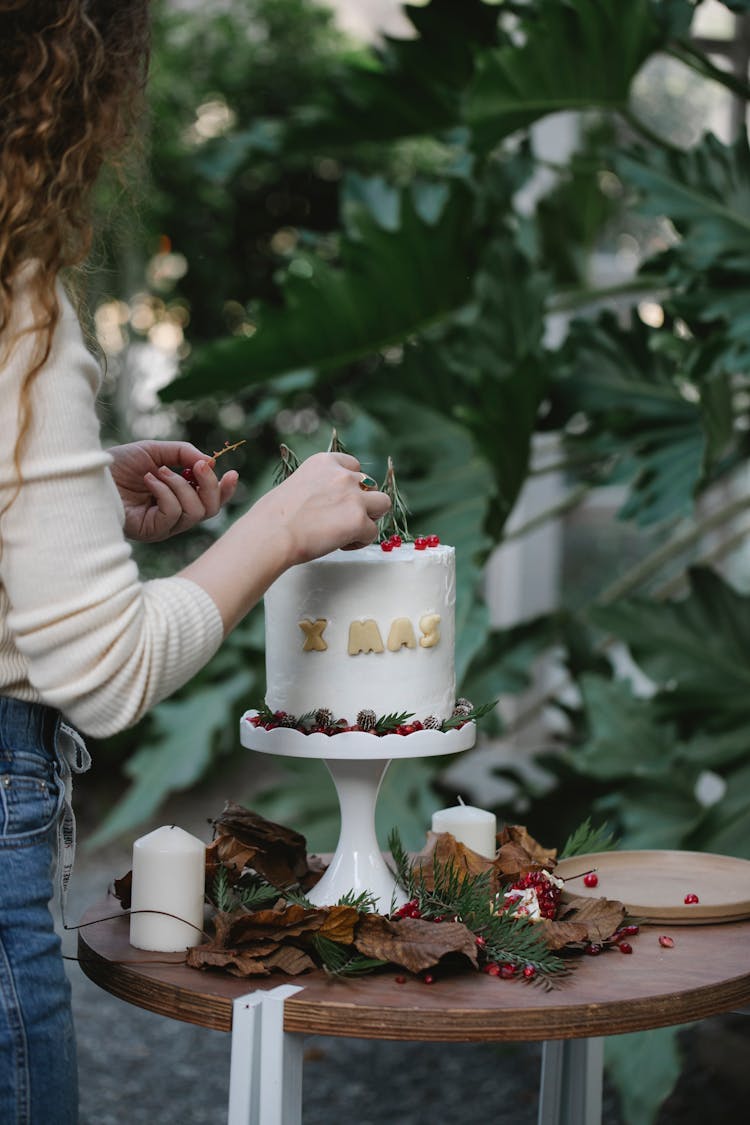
x,y
85,645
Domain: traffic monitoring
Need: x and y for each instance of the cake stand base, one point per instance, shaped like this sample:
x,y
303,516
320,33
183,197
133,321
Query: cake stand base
x,y
357,762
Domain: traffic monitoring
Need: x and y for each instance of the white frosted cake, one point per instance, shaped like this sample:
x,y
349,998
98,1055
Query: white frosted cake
x,y
366,629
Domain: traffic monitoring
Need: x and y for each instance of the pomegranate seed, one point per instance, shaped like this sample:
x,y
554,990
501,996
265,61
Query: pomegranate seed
x,y
386,545
691,899
591,880
481,942
529,972
507,971
592,949
625,947
400,980
428,978
629,931
492,969
666,942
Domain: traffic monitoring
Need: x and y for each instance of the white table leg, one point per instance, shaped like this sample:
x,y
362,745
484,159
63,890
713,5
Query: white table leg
x,y
265,1080
571,1084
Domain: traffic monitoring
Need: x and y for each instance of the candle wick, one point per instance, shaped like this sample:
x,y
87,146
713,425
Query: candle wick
x,y
460,800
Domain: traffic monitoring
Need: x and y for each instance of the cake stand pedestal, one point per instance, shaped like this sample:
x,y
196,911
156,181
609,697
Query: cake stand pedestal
x,y
357,762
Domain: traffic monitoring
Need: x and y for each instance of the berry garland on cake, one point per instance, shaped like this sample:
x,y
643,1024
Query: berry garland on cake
x,y
323,721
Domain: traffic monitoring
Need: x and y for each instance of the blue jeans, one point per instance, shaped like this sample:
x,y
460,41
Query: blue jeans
x,y
38,1074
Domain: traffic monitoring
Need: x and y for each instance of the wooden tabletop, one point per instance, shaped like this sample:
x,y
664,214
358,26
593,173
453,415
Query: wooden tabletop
x,y
707,972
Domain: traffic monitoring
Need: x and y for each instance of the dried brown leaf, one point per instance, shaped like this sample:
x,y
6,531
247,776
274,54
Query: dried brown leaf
x,y
240,963
276,925
537,854
559,934
600,916
277,853
442,848
339,924
413,943
123,889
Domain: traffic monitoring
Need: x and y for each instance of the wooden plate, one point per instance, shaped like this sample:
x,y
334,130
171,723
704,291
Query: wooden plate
x,y
653,884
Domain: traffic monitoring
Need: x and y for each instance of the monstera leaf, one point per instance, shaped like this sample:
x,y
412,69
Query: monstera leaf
x,y
697,649
408,87
389,285
574,55
704,191
641,429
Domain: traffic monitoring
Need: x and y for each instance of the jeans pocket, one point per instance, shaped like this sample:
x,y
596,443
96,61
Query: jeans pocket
x,y
28,805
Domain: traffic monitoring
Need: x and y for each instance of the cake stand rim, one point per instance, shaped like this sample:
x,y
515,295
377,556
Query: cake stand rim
x,y
352,745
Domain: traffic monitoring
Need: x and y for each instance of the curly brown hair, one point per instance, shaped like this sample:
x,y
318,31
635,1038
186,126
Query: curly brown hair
x,y
72,74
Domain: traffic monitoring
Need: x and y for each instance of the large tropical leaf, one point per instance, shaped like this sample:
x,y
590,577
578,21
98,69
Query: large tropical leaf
x,y
697,649
625,740
407,87
705,192
178,754
573,55
390,284
640,429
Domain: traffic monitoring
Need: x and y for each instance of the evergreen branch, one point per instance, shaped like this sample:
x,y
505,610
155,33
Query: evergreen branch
x,y
388,723
340,961
336,445
395,521
404,873
221,890
297,897
471,717
586,839
288,464
364,902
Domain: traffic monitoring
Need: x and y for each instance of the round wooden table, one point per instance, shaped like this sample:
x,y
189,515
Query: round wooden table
x,y
706,972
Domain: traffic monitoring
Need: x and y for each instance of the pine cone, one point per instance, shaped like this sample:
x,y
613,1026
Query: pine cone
x,y
323,717
366,720
288,721
463,707
431,723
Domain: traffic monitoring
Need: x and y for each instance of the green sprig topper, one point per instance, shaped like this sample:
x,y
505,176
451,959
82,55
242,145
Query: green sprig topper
x,y
394,522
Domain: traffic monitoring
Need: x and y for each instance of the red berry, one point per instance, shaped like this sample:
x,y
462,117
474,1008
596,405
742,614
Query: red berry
x,y
481,942
386,545
187,474
592,949
492,969
529,972
691,899
591,879
396,540
625,947
400,980
420,544
433,540
507,971
416,725
428,978
666,942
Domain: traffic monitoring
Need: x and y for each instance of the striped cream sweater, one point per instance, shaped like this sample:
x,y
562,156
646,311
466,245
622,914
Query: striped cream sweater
x,y
79,630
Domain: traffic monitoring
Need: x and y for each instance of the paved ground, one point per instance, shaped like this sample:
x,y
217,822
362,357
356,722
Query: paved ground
x,y
140,1069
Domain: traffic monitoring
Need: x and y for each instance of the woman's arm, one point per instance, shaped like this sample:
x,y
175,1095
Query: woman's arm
x,y
319,508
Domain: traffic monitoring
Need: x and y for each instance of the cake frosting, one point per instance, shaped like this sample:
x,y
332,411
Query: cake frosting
x,y
364,629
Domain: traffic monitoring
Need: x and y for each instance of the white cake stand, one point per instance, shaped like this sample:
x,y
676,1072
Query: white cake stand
x,y
357,762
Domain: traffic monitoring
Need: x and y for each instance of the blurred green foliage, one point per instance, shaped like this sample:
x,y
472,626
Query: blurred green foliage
x,y
373,242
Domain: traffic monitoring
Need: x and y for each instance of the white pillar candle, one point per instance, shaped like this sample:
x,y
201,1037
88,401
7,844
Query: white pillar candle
x,y
169,872
476,828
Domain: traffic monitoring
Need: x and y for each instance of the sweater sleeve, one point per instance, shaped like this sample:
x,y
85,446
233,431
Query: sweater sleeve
x,y
99,644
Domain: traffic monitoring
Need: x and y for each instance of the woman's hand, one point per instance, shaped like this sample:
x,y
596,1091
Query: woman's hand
x,y
321,507
160,502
